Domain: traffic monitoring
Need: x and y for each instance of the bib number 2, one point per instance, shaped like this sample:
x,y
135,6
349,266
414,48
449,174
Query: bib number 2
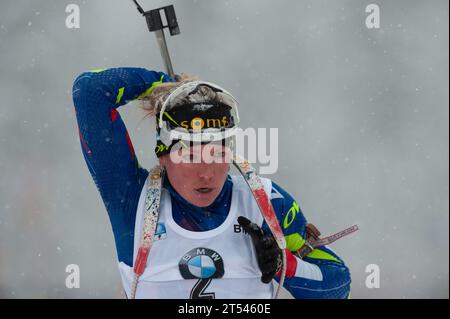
x,y
198,291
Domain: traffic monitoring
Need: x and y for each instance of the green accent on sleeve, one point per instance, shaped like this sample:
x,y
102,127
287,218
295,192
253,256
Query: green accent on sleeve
x,y
320,254
98,70
290,216
120,94
294,242
150,89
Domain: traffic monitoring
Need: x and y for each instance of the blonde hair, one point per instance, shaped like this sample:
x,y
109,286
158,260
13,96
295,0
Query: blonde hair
x,y
153,102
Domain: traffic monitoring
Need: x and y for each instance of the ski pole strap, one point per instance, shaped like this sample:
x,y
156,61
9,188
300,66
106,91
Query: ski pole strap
x,y
313,240
257,188
265,206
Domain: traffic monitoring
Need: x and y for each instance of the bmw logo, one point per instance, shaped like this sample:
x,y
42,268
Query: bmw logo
x,y
201,263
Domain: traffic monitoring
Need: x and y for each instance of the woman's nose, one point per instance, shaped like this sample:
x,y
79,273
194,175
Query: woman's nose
x,y
206,171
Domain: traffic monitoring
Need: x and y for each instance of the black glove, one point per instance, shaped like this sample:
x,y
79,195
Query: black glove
x,y
267,252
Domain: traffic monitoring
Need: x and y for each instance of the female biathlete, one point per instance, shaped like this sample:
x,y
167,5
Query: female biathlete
x,y
209,237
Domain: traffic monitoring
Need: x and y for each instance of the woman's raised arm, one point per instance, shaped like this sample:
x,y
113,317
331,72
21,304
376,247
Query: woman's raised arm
x,y
106,145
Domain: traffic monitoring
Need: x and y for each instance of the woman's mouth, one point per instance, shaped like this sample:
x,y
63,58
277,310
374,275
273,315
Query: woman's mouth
x,y
204,190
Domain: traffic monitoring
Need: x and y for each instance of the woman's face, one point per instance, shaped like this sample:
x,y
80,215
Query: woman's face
x,y
198,173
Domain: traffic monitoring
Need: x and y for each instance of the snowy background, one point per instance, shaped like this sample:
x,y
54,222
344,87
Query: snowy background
x,y
362,117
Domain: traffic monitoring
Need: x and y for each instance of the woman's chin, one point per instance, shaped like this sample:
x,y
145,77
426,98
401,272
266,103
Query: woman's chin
x,y
202,203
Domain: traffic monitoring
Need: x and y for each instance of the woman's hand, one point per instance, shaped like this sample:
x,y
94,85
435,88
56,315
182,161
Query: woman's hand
x,y
267,252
